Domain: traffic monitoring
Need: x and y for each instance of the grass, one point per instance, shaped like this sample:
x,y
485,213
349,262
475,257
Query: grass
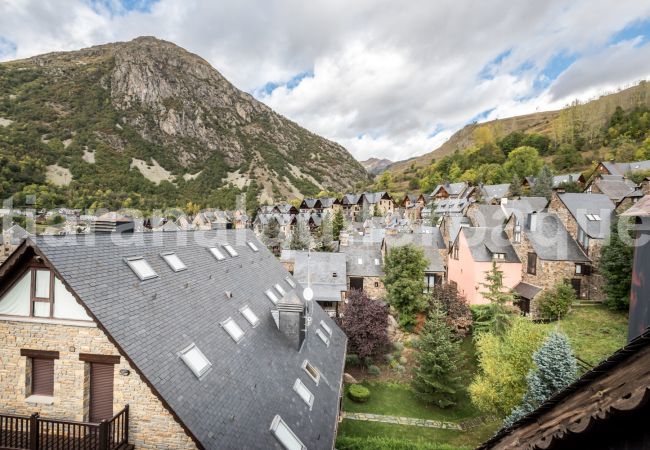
x,y
368,435
595,331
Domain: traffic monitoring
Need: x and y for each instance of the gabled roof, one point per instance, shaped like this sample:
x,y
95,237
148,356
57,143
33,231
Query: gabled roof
x,y
615,168
456,223
615,187
524,205
367,253
327,202
485,242
489,216
567,178
494,191
350,199
429,243
233,405
308,203
453,189
16,234
582,205
321,267
551,240
526,290
640,209
374,197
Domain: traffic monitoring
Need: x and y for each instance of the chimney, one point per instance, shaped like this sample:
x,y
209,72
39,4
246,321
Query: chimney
x,y
532,221
291,319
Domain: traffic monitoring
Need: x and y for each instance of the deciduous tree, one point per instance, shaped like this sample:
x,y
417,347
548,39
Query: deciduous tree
x,y
365,323
404,281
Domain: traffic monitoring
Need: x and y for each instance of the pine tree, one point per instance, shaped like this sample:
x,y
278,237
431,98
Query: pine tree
x,y
437,375
338,224
404,268
616,266
272,229
515,186
300,237
326,233
555,369
500,314
543,184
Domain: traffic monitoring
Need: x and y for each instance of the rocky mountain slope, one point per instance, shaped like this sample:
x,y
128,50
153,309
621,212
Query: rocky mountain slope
x,y
375,166
151,122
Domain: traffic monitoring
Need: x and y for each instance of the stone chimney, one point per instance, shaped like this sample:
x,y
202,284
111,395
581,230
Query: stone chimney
x,y
291,319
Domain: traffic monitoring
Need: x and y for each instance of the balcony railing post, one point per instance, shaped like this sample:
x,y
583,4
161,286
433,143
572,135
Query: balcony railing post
x,y
33,432
103,435
126,424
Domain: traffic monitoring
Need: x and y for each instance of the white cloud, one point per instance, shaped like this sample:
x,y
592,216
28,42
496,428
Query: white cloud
x,y
390,79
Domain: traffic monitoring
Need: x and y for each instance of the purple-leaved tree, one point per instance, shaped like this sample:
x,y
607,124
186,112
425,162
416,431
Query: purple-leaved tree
x,y
365,323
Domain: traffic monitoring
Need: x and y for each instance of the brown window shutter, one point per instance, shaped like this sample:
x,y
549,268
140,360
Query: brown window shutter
x,y
101,391
42,376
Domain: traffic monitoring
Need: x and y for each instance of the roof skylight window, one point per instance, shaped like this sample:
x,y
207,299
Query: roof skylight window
x,y
231,251
141,268
195,360
271,295
250,315
253,246
217,253
235,332
596,217
280,289
290,282
312,371
285,436
376,261
359,260
174,262
326,327
322,337
303,392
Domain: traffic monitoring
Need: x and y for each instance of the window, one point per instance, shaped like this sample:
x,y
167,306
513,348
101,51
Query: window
x,y
322,337
429,283
279,289
290,282
41,293
578,269
593,217
499,256
231,251
517,231
195,360
304,393
174,262
455,252
376,283
312,371
359,261
583,240
42,377
235,332
217,253
141,268
252,246
532,263
326,327
271,295
285,436
250,315
42,283
376,261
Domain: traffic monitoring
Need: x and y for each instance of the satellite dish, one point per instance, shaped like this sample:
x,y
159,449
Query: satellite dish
x,y
308,294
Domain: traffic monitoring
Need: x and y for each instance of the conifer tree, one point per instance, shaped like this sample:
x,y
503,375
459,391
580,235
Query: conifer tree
x,y
616,266
404,268
515,186
500,313
555,369
437,375
326,233
543,184
338,224
300,237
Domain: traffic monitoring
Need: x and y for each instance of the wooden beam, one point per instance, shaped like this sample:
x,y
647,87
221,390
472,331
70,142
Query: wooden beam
x,y
102,359
43,354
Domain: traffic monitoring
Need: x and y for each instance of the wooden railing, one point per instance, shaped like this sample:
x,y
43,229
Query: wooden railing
x,y
34,433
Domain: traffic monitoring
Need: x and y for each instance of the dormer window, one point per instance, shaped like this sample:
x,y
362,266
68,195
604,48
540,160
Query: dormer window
x,y
285,435
271,295
174,262
195,360
253,246
234,330
230,249
217,253
312,371
141,268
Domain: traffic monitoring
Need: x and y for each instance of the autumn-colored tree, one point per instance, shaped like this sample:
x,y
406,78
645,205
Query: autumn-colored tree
x,y
365,323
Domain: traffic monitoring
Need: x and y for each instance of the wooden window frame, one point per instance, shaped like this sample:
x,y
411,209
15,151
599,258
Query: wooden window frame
x,y
32,293
532,268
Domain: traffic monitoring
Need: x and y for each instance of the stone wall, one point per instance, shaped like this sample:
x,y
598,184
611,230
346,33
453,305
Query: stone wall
x,y
151,426
373,287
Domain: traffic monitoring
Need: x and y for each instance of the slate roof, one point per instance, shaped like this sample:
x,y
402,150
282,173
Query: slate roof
x,y
489,216
640,209
485,242
494,191
525,205
16,234
456,223
327,202
451,205
322,266
615,187
429,243
622,168
526,290
551,240
566,178
232,406
368,254
350,199
581,205
453,189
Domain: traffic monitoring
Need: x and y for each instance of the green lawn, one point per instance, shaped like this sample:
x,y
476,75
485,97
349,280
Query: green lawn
x,y
595,332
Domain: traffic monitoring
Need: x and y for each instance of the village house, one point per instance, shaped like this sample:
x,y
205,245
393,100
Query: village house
x,y
451,191
451,225
622,169
175,340
376,204
619,189
435,251
471,257
492,193
350,205
549,256
412,206
364,268
11,239
325,273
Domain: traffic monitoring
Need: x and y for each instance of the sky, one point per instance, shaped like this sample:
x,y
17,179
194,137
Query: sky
x,y
387,79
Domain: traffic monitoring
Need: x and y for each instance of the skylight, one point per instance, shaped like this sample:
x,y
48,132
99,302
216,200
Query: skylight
x,y
322,337
253,246
217,253
174,262
285,436
280,289
290,282
312,371
235,332
195,360
250,315
141,268
326,327
231,251
359,260
271,295
376,261
304,393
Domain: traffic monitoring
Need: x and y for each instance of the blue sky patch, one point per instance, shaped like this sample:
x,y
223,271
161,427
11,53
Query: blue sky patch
x,y
489,70
122,7
7,47
554,67
631,31
290,85
480,116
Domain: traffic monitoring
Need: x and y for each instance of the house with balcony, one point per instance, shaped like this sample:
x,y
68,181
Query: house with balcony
x,y
163,341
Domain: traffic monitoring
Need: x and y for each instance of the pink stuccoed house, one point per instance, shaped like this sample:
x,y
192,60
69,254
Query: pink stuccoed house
x,y
471,256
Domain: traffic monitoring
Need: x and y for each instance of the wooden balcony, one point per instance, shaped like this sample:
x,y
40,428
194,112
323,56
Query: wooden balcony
x,y
37,433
